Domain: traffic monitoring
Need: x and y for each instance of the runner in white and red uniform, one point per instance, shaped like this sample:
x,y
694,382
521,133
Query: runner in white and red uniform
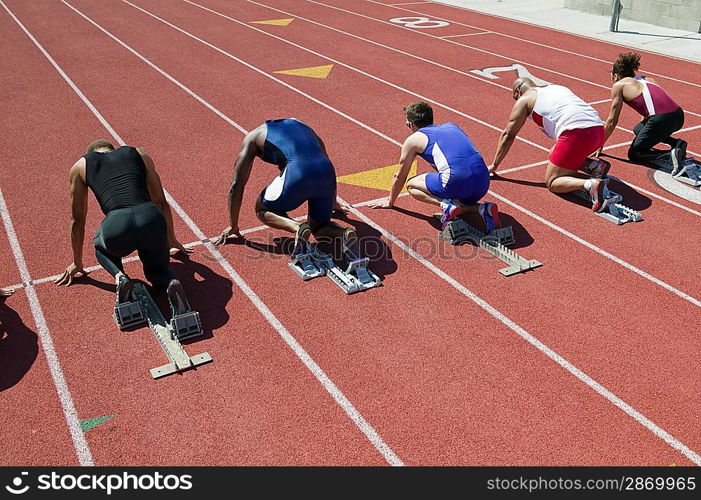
x,y
576,128
661,115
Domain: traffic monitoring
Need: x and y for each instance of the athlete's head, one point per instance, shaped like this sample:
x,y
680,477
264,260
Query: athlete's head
x,y
520,86
419,114
625,66
100,144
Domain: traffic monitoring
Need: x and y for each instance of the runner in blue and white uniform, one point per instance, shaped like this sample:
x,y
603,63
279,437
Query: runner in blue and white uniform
x,y
461,178
306,175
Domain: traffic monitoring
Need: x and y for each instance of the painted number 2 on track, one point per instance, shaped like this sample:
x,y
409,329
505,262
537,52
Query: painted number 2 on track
x,y
419,22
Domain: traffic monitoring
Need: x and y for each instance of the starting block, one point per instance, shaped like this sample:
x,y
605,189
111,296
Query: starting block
x,y
304,266
458,231
691,174
186,326
128,315
615,211
356,277
169,335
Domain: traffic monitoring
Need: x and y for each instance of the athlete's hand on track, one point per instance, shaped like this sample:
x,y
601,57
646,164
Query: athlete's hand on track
x,y
492,169
598,152
5,293
382,204
229,231
71,272
180,248
341,207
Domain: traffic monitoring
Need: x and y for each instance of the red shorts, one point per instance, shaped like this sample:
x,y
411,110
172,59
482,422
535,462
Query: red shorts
x,y
573,146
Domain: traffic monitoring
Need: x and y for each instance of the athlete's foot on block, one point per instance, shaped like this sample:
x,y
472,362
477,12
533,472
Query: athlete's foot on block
x,y
490,213
125,286
597,193
679,165
350,238
304,231
177,299
449,211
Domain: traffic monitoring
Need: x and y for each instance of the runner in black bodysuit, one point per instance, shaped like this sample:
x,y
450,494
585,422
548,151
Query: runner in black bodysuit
x,y
137,216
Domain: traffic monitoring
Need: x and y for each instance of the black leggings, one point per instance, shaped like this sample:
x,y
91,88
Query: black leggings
x,y
653,130
141,228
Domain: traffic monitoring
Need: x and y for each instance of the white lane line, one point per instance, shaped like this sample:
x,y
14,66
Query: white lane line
x,y
466,34
676,444
291,341
80,444
556,48
590,382
380,134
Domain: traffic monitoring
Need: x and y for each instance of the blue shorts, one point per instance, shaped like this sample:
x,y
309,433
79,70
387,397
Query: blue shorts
x,y
303,180
468,184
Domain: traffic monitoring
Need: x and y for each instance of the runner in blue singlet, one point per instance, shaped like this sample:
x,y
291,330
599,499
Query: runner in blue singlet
x,y
306,175
462,178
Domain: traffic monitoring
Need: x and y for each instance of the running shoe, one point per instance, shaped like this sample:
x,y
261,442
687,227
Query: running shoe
x,y
303,233
679,165
490,213
177,299
597,192
449,211
125,286
350,238
597,169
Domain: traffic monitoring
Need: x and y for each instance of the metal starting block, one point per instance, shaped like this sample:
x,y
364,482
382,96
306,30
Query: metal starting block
x,y
458,231
615,211
314,263
305,267
692,176
186,326
169,334
128,315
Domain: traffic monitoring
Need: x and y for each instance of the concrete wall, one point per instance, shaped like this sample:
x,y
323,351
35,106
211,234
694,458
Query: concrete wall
x,y
678,14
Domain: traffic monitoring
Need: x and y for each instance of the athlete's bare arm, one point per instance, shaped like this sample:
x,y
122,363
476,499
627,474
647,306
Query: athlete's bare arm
x,y
79,210
158,197
251,147
413,145
519,114
616,106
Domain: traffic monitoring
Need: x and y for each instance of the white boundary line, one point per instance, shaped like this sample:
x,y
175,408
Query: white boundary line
x,y
319,374
550,46
380,134
466,34
619,403
70,413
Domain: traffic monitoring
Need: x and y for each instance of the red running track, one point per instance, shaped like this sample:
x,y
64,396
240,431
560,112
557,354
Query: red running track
x,y
445,381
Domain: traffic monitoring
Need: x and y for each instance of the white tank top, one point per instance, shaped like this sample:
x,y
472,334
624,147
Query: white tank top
x,y
558,109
